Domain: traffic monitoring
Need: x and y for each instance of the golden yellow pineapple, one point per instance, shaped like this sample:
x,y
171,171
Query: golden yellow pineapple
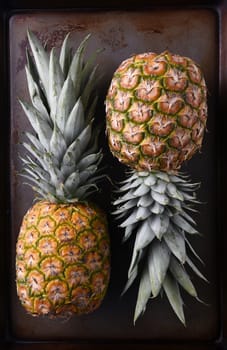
x,y
62,258
63,253
156,112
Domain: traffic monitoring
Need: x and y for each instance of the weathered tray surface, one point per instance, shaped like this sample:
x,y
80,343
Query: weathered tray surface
x,y
196,32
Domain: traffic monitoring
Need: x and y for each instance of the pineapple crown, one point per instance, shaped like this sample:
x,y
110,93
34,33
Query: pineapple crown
x,y
64,153
154,207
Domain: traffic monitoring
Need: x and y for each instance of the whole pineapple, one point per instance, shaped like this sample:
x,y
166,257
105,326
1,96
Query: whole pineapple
x,y
62,253
156,113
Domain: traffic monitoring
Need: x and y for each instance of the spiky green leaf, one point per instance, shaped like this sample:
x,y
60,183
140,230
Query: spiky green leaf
x,y
64,59
136,258
65,104
50,165
128,231
57,144
141,190
56,81
161,198
179,221
75,151
88,66
145,201
157,208
159,225
130,280
41,60
134,184
75,70
195,269
126,206
87,173
144,236
82,191
37,144
36,95
158,263
43,185
160,186
171,289
179,273
75,122
130,220
35,153
173,192
143,294
162,176
176,243
89,87
193,250
40,125
89,160
150,180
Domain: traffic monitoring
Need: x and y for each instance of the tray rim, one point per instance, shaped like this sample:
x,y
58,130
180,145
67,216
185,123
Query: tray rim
x,y
221,10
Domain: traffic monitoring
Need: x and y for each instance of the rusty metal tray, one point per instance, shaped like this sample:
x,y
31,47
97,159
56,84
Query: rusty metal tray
x,y
197,29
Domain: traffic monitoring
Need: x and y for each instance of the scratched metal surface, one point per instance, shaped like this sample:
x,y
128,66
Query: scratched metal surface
x,y
187,32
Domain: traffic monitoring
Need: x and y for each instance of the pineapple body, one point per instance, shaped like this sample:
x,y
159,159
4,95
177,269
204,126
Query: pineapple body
x,y
62,259
156,111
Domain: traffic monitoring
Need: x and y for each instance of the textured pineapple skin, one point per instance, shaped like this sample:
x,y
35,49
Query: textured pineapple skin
x,y
62,259
156,111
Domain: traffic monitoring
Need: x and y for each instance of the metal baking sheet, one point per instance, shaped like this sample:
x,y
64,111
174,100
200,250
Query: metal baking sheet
x,y
191,32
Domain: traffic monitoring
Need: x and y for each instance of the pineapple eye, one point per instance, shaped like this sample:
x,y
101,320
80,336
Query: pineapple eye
x,y
154,68
65,233
57,291
87,240
51,267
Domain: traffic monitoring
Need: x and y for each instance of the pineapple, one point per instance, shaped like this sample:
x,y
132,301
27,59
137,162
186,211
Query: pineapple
x,y
62,252
156,112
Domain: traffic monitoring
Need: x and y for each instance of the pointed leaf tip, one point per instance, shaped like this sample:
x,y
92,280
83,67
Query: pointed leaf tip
x,y
143,294
172,291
